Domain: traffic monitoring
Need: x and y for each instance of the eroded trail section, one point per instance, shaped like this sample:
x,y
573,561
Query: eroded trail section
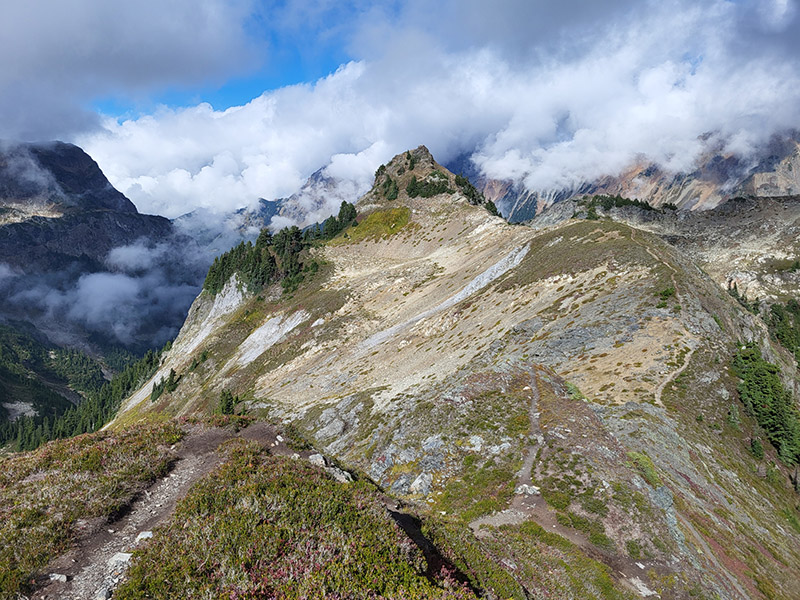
x,y
95,566
525,499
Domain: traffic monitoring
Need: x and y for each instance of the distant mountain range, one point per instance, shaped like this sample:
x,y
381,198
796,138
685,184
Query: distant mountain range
x,y
772,172
79,261
62,225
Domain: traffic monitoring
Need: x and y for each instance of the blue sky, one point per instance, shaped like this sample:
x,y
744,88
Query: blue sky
x,y
288,46
544,94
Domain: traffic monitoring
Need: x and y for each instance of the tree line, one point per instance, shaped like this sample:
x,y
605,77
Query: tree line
x,y
98,408
766,399
276,258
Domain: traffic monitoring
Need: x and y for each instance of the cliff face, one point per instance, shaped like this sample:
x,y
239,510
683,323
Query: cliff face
x,y
56,206
66,233
773,172
557,398
56,173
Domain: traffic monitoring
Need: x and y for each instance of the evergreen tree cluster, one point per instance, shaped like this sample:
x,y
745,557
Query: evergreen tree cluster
x,y
469,190
335,224
23,360
474,196
168,385
227,403
609,202
436,183
276,257
389,189
752,307
765,398
82,372
255,265
784,324
100,405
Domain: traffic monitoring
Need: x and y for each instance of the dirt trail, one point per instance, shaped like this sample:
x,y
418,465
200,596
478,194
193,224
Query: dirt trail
x,y
528,506
97,563
531,506
688,357
673,376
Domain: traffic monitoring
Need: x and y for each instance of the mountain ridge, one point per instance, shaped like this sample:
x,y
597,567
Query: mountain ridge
x,y
505,378
770,171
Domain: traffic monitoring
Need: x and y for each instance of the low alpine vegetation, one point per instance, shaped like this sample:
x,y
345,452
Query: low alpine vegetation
x,y
43,494
264,526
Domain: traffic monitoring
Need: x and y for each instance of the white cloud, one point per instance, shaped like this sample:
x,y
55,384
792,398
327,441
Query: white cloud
x,y
6,272
541,103
61,55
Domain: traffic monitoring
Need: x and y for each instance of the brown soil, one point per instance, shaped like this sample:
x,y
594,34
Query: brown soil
x,y
86,565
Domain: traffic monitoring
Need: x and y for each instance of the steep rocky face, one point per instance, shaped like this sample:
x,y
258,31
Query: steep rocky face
x,y
557,398
76,258
60,173
773,172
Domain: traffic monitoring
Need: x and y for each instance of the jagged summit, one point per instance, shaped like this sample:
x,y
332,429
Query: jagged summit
x,y
60,222
420,156
414,178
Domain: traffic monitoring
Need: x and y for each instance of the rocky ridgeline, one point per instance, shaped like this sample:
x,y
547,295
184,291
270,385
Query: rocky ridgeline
x,y
557,395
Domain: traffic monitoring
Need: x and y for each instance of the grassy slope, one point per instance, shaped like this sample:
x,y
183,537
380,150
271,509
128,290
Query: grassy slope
x,y
43,494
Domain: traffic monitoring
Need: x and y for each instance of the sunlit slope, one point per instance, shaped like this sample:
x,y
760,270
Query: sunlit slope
x,y
574,377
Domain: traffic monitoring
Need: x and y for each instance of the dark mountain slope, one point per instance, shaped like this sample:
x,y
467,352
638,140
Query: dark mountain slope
x,y
80,267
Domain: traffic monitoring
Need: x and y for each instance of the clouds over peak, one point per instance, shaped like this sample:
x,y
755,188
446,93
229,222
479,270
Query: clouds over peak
x,y
547,94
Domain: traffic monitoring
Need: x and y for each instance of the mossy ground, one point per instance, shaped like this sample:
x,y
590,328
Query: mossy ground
x,y
267,526
44,493
376,225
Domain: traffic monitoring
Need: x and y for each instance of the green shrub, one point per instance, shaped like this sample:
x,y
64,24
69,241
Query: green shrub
x,y
646,468
428,187
634,549
756,448
557,499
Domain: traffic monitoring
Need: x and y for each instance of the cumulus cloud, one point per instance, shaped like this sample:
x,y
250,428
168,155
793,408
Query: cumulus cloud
x,y
547,95
137,257
63,55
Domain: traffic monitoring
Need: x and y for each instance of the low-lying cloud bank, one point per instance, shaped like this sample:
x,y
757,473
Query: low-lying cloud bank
x,y
533,93
138,299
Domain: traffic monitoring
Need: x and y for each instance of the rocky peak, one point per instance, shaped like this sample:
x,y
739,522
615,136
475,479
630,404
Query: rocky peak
x,y
418,161
56,173
414,179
